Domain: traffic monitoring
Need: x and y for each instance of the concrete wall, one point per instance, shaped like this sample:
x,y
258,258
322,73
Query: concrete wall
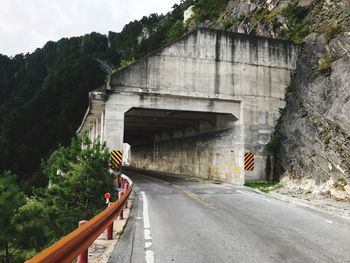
x,y
209,71
215,155
209,62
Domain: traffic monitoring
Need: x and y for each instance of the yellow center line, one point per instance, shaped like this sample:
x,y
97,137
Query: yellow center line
x,y
155,179
198,199
189,193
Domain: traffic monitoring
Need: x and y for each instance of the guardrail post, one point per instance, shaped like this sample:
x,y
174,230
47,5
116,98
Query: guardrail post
x,y
119,181
121,214
126,187
122,183
109,230
83,257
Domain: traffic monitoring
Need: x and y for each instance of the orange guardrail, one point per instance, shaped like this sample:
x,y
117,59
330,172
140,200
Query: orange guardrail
x,y
69,247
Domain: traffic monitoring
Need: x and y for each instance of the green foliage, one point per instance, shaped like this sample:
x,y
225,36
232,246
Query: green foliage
x,y
259,16
124,63
33,228
48,98
79,177
264,186
331,31
241,17
227,24
168,28
11,199
274,144
175,31
208,9
296,28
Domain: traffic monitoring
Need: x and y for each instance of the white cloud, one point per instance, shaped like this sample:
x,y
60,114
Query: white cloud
x,y
28,24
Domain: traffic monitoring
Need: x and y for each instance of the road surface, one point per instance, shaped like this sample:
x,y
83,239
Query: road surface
x,y
177,219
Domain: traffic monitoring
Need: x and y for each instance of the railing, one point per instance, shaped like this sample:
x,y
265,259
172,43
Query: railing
x,y
77,242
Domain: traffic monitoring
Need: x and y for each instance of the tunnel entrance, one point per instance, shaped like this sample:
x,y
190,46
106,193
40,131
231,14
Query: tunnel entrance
x,y
194,143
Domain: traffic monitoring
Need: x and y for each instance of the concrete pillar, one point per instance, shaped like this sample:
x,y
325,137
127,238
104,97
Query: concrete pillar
x,y
96,129
114,127
102,127
93,131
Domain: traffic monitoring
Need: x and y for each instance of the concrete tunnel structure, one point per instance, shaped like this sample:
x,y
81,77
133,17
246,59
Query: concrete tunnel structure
x,y
197,106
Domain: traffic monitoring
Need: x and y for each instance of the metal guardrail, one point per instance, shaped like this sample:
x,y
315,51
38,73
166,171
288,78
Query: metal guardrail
x,y
77,242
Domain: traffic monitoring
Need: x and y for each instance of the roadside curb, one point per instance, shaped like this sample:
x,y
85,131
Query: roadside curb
x,y
321,207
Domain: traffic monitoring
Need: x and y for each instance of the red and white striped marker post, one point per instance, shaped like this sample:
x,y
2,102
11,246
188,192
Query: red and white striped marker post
x,y
109,230
83,257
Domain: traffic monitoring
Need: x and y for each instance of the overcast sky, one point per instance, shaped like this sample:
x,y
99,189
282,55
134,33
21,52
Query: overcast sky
x,y
28,24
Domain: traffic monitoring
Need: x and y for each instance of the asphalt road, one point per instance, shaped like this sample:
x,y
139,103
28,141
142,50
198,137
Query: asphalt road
x,y
176,219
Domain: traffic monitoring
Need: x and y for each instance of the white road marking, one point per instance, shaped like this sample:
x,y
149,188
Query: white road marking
x,y
148,244
254,195
149,255
145,211
329,221
148,234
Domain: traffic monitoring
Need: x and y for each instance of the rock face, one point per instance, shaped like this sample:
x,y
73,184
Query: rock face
x,y
315,126
313,145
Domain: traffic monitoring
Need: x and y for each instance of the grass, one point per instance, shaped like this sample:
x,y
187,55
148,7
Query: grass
x,y
331,31
324,65
264,186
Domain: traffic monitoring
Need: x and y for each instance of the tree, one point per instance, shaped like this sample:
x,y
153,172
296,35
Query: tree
x,y
33,228
79,177
11,199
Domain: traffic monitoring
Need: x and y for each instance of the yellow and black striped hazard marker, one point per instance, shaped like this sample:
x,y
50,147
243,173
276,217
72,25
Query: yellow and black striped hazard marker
x,y
249,161
116,159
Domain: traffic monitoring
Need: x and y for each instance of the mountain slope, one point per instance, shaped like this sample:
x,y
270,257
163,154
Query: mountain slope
x,y
43,95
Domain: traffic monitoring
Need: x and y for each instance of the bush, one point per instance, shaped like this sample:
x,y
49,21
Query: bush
x,y
324,65
227,24
296,29
274,144
175,31
208,9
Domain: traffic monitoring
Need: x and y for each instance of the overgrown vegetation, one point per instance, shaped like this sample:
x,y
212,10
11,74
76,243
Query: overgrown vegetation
x,y
78,179
274,144
330,31
264,186
296,29
325,64
208,9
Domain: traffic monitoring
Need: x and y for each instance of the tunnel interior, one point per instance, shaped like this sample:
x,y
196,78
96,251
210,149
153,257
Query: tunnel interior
x,y
182,142
142,126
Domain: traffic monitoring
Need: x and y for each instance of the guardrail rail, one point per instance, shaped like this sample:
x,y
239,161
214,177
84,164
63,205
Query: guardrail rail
x,y
77,242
